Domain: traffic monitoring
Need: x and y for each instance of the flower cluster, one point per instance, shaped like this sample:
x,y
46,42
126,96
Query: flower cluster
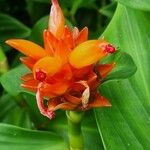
x,y
65,73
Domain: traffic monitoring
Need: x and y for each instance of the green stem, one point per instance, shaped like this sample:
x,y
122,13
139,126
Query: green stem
x,y
3,62
74,130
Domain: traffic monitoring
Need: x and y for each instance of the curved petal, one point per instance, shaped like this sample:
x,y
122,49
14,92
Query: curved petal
x,y
56,103
73,99
68,37
65,74
28,48
43,110
82,37
86,94
49,65
104,69
75,33
31,85
99,101
49,39
56,21
52,90
82,73
29,62
87,53
62,51
27,77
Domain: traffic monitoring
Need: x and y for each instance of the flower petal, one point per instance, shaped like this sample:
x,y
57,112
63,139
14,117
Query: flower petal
x,y
56,103
49,65
56,21
49,41
28,48
99,101
27,77
62,51
87,53
65,74
82,37
31,85
86,94
75,33
82,73
52,90
29,62
43,110
105,69
68,37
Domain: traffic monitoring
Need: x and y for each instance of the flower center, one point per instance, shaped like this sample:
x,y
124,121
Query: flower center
x,y
109,48
40,75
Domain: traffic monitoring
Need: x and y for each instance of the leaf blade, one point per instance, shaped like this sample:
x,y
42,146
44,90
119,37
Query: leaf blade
x,y
128,119
19,138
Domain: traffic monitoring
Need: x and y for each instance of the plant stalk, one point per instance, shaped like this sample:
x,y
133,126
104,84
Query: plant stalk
x,y
76,141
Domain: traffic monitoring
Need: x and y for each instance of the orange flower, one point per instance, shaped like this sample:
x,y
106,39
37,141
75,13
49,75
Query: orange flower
x,y
65,71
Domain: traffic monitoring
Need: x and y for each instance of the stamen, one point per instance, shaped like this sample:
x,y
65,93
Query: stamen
x,y
109,48
40,75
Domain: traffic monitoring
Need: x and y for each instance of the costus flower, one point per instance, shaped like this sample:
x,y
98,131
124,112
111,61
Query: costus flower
x,y
65,73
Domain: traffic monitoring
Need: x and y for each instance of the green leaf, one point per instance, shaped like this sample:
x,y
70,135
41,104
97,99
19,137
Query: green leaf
x,y
138,4
20,119
22,139
124,66
6,105
12,28
33,6
37,31
108,10
11,80
126,125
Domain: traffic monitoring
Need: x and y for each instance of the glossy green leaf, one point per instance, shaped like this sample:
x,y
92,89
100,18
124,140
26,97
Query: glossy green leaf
x,y
12,28
6,105
138,4
22,139
11,80
124,66
126,125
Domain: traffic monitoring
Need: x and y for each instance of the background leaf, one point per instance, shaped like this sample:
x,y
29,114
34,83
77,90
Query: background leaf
x,y
11,80
37,30
23,139
12,28
126,124
6,104
138,4
124,66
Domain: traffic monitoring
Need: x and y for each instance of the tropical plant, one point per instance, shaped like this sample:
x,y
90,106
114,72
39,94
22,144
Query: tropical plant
x,y
124,125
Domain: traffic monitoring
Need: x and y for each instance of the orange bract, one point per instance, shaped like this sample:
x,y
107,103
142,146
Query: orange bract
x,y
66,70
